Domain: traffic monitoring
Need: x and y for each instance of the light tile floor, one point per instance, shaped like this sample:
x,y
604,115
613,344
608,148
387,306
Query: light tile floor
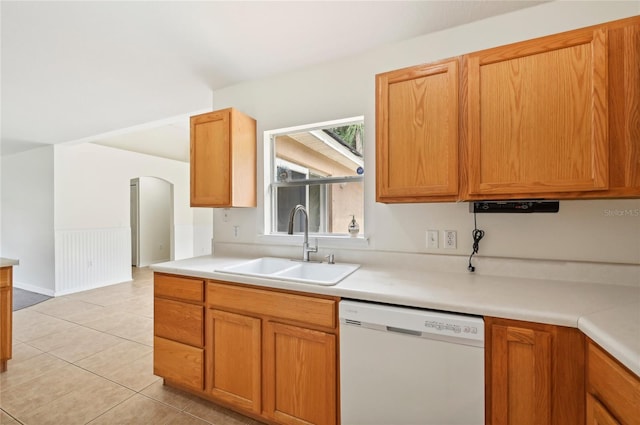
x,y
87,358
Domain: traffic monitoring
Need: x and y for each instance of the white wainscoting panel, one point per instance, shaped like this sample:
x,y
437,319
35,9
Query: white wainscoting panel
x,y
91,258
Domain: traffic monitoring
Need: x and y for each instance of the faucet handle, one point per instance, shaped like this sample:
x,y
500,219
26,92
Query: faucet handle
x,y
331,258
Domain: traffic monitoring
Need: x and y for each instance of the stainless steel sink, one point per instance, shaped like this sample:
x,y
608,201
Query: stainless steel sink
x,y
291,270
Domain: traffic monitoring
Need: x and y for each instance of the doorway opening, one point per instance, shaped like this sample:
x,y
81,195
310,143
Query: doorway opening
x,y
151,213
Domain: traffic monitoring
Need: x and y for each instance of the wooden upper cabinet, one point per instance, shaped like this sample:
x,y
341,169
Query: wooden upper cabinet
x,y
417,133
223,159
624,108
537,116
556,117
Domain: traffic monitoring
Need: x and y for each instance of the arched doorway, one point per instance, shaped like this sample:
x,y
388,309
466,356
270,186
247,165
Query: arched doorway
x,y
151,221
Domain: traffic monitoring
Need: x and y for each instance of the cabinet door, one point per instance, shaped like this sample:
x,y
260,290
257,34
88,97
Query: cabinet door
x,y
234,359
417,133
534,373
537,116
521,382
597,414
300,375
211,159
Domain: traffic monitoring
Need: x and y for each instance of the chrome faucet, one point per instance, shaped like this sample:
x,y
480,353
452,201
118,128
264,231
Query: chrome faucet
x,y
305,244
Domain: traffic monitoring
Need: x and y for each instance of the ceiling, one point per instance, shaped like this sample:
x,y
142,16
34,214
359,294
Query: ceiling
x,y
129,73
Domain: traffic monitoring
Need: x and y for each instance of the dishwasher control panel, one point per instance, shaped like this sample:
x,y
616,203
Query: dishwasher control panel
x,y
449,327
459,328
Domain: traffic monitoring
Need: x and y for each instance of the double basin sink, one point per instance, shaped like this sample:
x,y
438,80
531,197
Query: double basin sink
x,y
292,270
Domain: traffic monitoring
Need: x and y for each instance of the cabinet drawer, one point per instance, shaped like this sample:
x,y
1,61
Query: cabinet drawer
x,y
298,308
178,362
617,388
178,321
183,288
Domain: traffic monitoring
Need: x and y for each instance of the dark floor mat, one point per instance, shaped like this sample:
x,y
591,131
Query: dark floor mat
x,y
22,298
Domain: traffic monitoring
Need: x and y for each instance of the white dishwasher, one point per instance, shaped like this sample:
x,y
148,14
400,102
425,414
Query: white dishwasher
x,y
407,366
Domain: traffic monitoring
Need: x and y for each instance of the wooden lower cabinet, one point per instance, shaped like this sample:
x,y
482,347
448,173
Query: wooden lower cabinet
x,y
234,365
597,414
179,363
534,373
613,391
300,375
178,329
6,318
272,354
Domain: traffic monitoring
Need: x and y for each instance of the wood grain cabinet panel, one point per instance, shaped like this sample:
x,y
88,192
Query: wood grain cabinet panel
x,y
178,287
273,353
615,388
597,414
556,117
179,321
179,363
537,116
624,107
223,159
234,361
178,327
6,316
417,133
263,302
300,375
534,374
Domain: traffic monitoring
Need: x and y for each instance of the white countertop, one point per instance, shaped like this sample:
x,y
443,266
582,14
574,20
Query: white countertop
x,y
6,262
608,314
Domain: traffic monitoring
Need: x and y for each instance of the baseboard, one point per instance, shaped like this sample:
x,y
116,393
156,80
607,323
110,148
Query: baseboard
x,y
94,286
33,288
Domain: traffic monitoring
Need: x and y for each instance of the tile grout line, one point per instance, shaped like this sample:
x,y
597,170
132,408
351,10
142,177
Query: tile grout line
x,y
65,363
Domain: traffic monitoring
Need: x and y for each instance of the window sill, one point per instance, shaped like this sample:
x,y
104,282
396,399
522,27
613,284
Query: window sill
x,y
324,241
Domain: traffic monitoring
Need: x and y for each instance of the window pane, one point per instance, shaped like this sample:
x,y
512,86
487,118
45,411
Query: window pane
x,y
330,207
287,199
346,200
316,167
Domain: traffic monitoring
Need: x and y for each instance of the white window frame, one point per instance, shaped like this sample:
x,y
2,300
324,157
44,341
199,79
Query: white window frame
x,y
268,236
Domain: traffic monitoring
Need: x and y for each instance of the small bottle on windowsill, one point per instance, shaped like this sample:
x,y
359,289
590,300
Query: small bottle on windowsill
x,y
354,227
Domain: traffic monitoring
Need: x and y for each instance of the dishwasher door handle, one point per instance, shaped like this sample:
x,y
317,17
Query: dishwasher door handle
x,y
403,331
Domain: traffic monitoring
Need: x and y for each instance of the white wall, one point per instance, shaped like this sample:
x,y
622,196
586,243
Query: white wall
x,y
27,217
92,223
598,230
156,205
0,201
65,215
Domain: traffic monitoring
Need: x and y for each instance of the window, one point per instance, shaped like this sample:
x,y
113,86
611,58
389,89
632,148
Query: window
x,y
320,166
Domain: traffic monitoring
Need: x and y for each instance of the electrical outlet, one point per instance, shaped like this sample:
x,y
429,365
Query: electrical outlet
x,y
432,239
226,215
450,239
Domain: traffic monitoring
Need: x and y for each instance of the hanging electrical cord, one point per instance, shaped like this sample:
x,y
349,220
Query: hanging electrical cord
x,y
477,235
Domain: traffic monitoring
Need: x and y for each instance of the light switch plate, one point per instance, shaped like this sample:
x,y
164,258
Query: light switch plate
x,y
432,239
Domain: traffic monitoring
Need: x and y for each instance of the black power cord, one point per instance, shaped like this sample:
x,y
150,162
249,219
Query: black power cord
x,y
477,235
